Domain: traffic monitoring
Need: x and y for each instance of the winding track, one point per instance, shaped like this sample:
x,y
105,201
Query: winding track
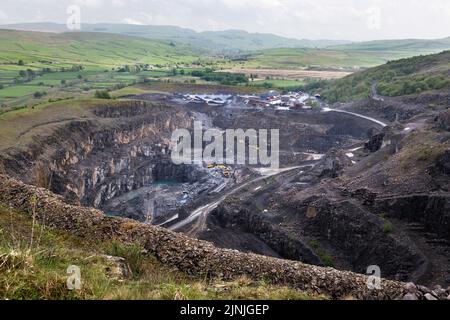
x,y
356,115
200,214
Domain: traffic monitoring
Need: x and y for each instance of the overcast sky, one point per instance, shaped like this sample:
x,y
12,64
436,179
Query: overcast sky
x,y
312,19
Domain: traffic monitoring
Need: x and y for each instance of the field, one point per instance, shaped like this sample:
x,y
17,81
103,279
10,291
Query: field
x,y
18,91
278,84
37,66
317,59
283,74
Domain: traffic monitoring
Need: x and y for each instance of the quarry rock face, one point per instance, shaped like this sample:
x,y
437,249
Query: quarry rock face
x,y
432,211
443,163
92,161
443,120
332,164
288,247
375,143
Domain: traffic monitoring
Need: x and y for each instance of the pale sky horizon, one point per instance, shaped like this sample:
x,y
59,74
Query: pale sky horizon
x,y
356,20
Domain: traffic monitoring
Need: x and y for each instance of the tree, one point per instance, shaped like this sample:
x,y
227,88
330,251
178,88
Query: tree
x,y
38,94
31,74
21,63
102,94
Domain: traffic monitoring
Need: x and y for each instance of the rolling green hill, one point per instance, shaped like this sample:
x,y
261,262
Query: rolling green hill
x,y
37,65
291,58
396,78
90,49
347,56
416,46
229,40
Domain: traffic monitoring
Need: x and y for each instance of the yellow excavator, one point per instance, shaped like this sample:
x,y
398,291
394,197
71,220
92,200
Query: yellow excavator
x,y
225,170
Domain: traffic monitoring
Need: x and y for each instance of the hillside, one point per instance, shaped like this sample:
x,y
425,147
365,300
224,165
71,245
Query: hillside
x,y
94,49
407,45
36,65
229,40
396,78
291,58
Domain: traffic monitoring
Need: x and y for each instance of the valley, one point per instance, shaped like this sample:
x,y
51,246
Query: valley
x,y
86,150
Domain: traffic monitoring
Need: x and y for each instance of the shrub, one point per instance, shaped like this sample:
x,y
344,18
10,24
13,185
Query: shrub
x,y
38,94
328,260
424,155
102,94
388,228
131,253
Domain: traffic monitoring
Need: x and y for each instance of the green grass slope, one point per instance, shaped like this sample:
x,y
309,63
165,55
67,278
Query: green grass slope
x,y
37,65
228,40
290,58
415,46
92,49
396,78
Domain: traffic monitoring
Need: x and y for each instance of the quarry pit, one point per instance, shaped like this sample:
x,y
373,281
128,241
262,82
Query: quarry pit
x,y
115,156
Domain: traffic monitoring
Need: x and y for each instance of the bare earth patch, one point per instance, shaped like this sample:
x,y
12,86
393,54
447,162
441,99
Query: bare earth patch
x,y
290,74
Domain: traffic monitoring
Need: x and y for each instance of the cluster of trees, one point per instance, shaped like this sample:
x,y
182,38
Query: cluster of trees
x,y
102,94
39,94
413,85
223,78
74,68
176,71
134,69
29,74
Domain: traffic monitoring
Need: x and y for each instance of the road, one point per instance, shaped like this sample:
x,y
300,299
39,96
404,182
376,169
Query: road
x,y
200,214
374,91
326,109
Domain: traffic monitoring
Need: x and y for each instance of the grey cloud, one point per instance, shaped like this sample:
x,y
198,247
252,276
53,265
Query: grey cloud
x,y
332,19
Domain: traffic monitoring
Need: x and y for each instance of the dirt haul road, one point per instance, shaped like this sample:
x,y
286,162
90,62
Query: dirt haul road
x,y
196,222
